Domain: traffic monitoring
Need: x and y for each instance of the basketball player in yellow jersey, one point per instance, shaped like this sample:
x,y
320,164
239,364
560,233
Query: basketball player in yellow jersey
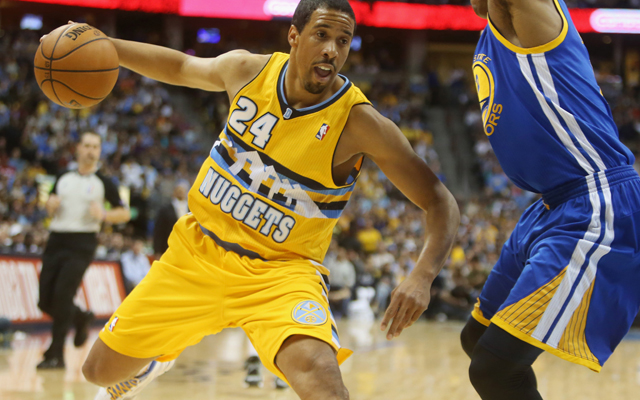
x,y
264,205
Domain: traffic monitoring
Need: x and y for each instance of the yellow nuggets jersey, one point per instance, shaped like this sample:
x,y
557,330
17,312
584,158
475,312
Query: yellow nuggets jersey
x,y
267,188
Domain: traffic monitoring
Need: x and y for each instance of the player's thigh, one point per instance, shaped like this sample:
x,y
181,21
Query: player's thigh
x,y
606,294
171,309
311,367
106,367
273,302
511,264
178,303
501,280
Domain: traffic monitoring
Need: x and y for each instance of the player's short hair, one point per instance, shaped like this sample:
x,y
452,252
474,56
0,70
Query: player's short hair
x,y
307,7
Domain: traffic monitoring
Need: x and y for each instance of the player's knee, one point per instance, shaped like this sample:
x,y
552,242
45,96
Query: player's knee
x,y
470,335
322,373
91,372
96,373
466,341
480,373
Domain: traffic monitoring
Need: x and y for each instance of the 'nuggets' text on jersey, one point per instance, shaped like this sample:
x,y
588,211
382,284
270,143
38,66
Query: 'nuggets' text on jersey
x,y
267,186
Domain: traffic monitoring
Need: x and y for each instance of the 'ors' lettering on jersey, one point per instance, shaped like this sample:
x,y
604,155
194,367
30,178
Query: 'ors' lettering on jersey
x,y
246,207
485,85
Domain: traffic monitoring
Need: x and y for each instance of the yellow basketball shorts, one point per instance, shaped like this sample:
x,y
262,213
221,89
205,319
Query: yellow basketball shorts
x,y
198,288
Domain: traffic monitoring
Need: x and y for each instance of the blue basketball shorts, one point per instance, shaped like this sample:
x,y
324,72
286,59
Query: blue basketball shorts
x,y
568,279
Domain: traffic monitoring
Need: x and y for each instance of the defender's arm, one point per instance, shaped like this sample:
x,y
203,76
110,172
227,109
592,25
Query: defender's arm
x,y
378,138
526,23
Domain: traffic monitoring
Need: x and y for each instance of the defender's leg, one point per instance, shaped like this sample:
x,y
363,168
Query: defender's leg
x,y
501,367
471,333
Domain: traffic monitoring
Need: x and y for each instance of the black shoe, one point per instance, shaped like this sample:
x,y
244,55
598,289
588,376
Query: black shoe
x,y
254,377
51,363
83,322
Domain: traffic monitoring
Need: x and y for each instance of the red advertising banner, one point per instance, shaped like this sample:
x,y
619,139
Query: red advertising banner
x,y
154,6
383,14
101,291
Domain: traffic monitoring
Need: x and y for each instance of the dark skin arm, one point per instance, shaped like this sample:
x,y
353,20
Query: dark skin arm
x,y
526,23
369,133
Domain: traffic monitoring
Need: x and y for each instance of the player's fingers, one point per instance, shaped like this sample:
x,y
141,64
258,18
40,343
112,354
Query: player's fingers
x,y
42,38
414,317
397,320
70,22
405,322
390,313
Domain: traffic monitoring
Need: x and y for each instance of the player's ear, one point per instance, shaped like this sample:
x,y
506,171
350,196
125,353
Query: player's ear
x,y
293,36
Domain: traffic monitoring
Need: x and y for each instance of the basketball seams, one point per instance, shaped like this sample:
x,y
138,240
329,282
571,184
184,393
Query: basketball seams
x,y
70,88
56,43
109,71
53,87
74,70
76,48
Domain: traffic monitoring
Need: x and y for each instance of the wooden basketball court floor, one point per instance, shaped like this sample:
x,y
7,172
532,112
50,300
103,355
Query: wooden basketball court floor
x,y
425,363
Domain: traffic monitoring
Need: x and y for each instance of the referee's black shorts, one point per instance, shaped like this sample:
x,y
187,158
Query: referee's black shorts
x,y
64,262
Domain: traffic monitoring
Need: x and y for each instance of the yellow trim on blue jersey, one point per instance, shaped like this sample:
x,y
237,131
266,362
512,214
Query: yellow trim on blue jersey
x,y
534,342
539,49
477,315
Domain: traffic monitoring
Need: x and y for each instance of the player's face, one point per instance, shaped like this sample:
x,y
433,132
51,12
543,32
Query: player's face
x,y
89,149
480,7
322,48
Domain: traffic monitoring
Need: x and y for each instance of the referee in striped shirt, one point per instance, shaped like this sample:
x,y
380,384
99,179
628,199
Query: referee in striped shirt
x,y
76,207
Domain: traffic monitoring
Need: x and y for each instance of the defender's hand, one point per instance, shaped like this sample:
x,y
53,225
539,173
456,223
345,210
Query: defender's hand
x,y
408,301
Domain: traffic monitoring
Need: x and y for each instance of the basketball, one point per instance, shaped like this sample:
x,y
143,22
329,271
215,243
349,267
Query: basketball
x,y
76,66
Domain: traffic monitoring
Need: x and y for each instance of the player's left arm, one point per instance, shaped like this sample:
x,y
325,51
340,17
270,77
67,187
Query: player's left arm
x,y
381,140
526,23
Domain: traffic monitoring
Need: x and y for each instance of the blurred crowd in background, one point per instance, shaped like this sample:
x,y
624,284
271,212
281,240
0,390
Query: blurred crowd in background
x,y
155,138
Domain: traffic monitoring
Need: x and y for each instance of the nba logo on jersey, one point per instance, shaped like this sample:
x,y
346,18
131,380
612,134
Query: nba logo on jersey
x,y
113,323
309,313
322,132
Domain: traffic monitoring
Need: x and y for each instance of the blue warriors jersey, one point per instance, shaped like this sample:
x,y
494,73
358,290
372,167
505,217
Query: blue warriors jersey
x,y
543,111
267,188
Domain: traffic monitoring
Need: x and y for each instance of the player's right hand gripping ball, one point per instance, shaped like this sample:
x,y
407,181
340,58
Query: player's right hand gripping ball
x,y
76,66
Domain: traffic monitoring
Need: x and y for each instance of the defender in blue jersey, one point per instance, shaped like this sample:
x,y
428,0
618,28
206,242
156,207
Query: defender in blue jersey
x,y
568,278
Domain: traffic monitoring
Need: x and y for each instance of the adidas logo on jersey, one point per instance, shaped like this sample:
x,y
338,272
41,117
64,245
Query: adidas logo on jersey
x,y
322,132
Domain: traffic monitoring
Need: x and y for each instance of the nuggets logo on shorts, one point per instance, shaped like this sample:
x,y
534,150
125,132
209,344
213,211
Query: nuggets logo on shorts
x,y
309,313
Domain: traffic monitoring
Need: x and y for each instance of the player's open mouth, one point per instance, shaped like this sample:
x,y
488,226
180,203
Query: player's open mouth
x,y
322,72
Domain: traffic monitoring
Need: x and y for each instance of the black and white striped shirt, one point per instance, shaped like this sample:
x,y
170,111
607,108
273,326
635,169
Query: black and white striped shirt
x,y
76,192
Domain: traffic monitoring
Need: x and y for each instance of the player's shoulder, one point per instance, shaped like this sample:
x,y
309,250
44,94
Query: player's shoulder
x,y
245,62
365,118
242,67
